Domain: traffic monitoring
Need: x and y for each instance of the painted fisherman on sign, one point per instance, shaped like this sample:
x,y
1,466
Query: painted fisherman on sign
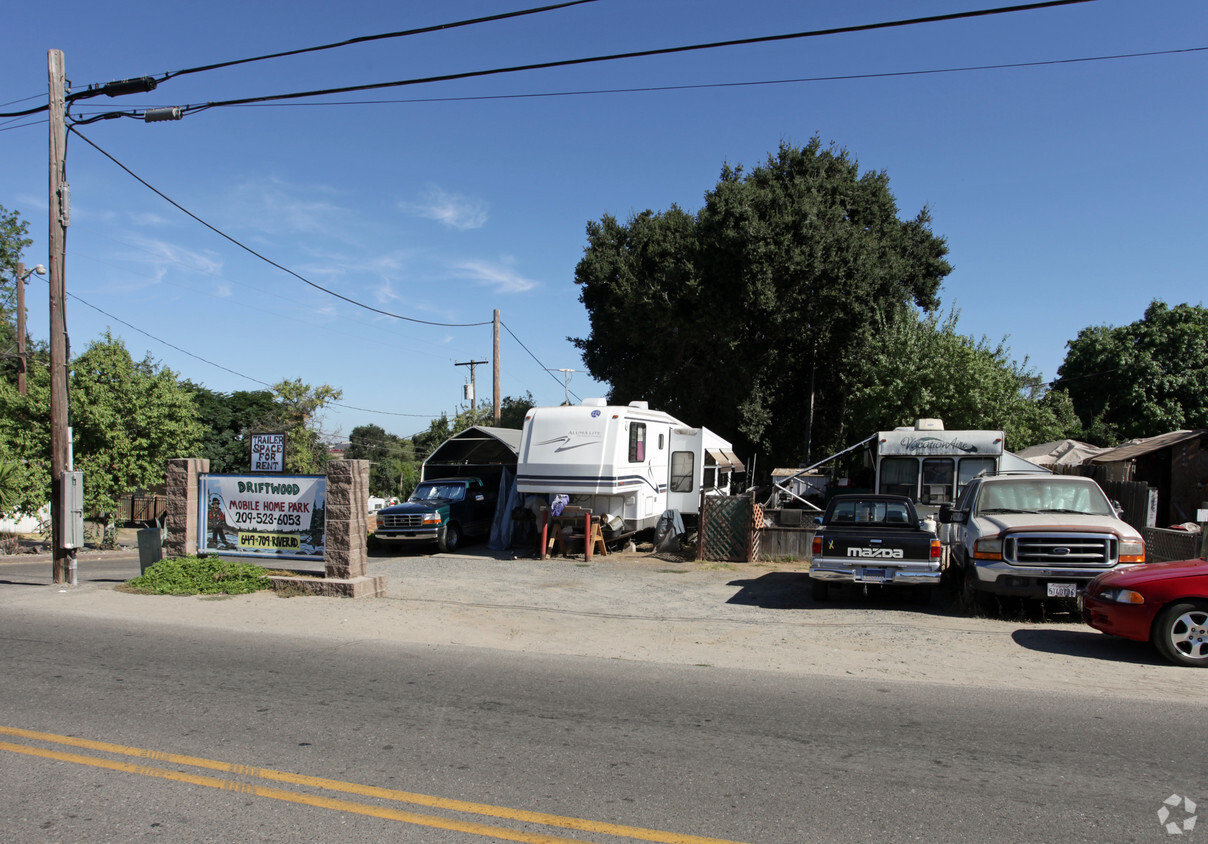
x,y
217,519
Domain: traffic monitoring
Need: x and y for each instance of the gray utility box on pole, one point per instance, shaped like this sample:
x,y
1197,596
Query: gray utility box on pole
x,y
72,502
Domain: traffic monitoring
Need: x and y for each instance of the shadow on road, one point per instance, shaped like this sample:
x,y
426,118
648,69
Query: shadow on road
x,y
1089,644
778,590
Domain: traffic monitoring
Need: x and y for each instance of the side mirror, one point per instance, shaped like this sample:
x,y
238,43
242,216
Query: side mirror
x,y
1119,510
949,516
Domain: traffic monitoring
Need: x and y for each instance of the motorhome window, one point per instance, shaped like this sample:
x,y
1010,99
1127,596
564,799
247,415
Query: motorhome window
x,y
970,468
710,477
681,471
637,442
899,476
938,474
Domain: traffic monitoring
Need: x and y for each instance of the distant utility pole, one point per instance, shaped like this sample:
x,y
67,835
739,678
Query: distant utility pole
x,y
60,218
495,373
21,367
473,391
565,381
22,355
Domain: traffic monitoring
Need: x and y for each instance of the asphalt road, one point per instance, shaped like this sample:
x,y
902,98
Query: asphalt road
x,y
138,728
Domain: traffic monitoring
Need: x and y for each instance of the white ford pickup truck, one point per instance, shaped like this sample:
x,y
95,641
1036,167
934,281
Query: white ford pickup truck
x,y
1034,536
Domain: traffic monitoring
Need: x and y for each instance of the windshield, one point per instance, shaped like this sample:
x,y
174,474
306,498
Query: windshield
x,y
870,513
1049,495
428,492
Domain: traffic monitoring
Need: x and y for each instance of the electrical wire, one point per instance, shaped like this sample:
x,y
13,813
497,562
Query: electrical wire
x,y
228,369
700,86
660,51
364,39
952,16
534,357
267,260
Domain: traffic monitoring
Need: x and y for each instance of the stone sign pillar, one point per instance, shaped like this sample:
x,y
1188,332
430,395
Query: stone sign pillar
x,y
181,519
347,529
347,520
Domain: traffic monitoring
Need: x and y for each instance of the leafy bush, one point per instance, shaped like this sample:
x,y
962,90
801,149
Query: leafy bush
x,y
199,576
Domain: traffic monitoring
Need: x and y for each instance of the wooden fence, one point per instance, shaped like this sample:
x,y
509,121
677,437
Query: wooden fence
x,y
142,509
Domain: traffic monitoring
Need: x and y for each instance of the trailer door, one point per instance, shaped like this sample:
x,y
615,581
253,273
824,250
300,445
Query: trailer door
x,y
685,470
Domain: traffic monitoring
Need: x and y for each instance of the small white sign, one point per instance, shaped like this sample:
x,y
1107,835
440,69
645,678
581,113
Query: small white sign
x,y
268,452
1201,516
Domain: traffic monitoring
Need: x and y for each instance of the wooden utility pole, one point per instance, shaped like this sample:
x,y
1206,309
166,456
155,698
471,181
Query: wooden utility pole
x,y
60,218
21,368
473,388
495,371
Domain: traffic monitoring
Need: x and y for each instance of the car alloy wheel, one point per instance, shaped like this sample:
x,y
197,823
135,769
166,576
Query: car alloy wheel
x,y
1181,633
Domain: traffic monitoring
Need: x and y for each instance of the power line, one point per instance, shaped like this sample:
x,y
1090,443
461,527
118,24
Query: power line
x,y
227,369
534,357
660,51
148,83
267,260
700,86
364,39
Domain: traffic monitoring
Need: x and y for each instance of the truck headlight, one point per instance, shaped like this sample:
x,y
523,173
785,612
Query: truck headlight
x,y
987,549
432,518
1132,550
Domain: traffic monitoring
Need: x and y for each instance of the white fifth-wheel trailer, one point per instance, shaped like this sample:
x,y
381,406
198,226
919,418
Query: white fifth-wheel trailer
x,y
623,461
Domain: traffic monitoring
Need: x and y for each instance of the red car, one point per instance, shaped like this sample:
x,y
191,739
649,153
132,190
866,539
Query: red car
x,y
1163,603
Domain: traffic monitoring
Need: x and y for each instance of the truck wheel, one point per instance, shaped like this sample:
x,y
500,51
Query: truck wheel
x,y
450,539
972,601
1180,633
819,590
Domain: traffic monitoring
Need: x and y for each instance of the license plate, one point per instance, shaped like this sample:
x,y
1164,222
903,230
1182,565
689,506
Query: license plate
x,y
1063,590
874,575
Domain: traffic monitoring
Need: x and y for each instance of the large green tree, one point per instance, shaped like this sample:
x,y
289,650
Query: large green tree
x,y
924,368
301,415
753,316
1142,379
128,419
390,458
25,440
227,420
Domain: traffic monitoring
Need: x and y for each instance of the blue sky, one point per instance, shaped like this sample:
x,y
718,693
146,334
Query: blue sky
x,y
1070,194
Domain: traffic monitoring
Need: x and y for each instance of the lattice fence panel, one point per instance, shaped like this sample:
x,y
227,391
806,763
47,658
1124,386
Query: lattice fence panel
x,y
727,528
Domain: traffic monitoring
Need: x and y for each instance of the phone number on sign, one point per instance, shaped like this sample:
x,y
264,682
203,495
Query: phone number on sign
x,y
275,519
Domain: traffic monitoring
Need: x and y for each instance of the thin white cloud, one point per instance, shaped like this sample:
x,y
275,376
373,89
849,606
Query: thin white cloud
x,y
275,207
150,219
163,254
449,209
496,275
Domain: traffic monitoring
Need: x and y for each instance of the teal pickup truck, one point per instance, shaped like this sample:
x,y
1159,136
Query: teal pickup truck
x,y
443,511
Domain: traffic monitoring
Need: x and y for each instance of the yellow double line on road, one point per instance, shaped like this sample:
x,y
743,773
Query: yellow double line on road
x,y
428,801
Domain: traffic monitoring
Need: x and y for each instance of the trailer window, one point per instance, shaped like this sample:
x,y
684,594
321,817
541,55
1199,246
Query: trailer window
x,y
938,474
971,467
681,471
637,442
899,476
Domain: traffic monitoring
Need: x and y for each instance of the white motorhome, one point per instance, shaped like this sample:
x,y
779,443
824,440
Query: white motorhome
x,y
628,461
932,465
927,463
